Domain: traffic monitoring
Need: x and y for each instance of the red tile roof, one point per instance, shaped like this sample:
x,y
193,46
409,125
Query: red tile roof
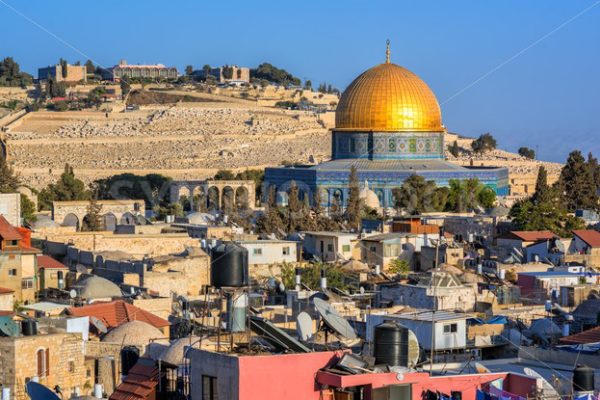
x,y
533,236
116,313
589,236
7,231
140,383
49,262
589,336
4,290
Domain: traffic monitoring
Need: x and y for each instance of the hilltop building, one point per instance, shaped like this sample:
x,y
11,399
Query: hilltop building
x,y
154,71
388,125
68,73
226,73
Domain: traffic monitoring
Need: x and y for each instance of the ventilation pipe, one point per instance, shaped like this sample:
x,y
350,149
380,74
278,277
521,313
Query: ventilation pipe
x,y
323,280
298,279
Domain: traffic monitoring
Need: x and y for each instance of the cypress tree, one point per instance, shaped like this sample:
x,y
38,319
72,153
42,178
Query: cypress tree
x,y
354,207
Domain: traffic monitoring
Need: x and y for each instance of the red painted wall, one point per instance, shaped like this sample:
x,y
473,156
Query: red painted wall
x,y
288,376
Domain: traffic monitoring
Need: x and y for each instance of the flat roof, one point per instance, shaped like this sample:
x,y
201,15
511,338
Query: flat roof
x,y
428,316
327,233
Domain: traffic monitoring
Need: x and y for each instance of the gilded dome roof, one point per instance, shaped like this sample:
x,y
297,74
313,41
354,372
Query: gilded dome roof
x,y
388,98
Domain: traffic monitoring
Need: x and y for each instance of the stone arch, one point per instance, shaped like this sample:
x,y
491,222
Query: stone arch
x,y
183,191
127,219
242,202
227,199
212,198
71,220
109,221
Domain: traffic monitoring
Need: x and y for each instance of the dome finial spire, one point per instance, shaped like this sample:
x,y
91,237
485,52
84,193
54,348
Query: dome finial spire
x,y
387,51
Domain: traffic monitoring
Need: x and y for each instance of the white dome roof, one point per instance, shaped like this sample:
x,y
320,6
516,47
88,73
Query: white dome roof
x,y
369,197
174,353
95,287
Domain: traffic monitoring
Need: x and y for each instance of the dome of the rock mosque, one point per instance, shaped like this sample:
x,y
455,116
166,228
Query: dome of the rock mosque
x,y
388,98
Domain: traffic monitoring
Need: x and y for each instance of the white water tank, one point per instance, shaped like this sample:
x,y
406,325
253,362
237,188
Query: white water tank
x,y
502,274
5,393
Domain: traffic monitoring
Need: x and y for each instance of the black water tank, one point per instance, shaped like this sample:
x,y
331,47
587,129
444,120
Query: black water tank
x,y
28,327
129,357
583,379
391,344
229,266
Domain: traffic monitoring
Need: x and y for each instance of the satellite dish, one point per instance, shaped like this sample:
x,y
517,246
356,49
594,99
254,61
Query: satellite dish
x,y
73,293
547,389
37,391
413,349
8,327
333,320
304,327
98,324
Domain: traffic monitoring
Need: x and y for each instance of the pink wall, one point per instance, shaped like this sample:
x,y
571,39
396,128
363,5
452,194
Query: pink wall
x,y
288,376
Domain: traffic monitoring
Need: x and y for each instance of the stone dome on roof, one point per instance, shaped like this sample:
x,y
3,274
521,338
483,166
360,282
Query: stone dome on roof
x,y
353,265
134,333
174,353
369,197
388,98
96,287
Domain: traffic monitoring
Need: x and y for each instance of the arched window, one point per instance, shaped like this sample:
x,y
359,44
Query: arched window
x,y
43,362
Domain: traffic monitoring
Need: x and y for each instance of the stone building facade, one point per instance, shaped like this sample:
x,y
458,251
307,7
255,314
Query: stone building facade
x,y
72,73
215,194
114,212
56,359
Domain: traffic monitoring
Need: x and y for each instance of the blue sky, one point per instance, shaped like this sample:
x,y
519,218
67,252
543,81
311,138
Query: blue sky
x,y
547,97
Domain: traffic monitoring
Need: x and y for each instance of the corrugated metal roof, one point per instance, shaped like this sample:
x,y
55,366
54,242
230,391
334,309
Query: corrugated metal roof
x,y
589,336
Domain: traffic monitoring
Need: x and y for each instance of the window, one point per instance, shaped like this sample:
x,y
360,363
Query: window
x,y
209,388
12,272
286,251
27,283
330,247
346,248
43,362
71,367
450,328
257,252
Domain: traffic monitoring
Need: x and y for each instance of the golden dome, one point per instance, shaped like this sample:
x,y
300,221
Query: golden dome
x,y
390,98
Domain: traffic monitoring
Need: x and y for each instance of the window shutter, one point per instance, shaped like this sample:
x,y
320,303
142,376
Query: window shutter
x,y
40,363
47,362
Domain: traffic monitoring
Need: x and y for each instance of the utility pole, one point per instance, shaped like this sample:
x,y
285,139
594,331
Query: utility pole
x,y
434,294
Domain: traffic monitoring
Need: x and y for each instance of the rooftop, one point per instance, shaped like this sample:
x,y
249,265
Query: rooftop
x,y
7,231
533,236
428,316
49,262
589,236
118,312
589,336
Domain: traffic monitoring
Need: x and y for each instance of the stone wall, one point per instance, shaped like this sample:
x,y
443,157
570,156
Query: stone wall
x,y
66,366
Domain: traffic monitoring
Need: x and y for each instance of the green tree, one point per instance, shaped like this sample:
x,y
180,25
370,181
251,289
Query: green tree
x,y
399,267
68,188
11,75
308,85
28,209
415,195
527,152
469,194
93,221
577,183
542,190
311,275
161,212
440,198
273,74
55,89
64,70
206,69
189,70
9,182
484,143
152,188
90,68
295,207
454,149
354,205
224,175
227,72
